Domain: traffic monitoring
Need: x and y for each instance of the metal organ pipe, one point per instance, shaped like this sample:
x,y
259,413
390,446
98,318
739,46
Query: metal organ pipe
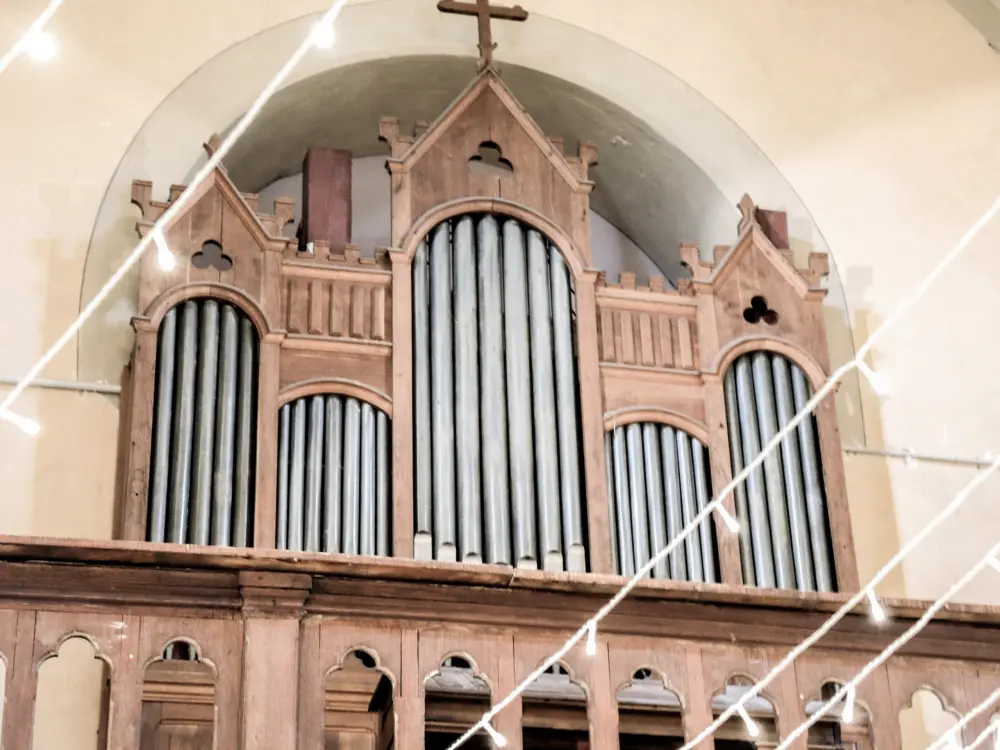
x,y
344,476
740,492
566,414
467,454
544,402
657,480
204,426
787,504
502,406
518,351
493,395
442,395
422,546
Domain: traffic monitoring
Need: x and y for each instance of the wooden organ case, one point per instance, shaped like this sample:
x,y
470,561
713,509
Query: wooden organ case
x,y
363,496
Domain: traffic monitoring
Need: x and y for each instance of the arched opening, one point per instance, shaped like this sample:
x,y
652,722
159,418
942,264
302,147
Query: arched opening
x,y
847,726
334,474
554,712
455,698
757,728
178,700
496,423
658,481
785,537
201,485
358,708
71,700
649,714
925,720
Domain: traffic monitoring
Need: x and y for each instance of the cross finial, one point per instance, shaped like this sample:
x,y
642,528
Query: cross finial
x,y
485,13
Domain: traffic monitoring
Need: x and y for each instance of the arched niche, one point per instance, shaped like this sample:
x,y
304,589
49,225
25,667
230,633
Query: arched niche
x,y
650,713
846,725
783,509
178,699
554,712
758,729
334,475
498,451
72,697
203,446
925,718
358,707
456,695
659,479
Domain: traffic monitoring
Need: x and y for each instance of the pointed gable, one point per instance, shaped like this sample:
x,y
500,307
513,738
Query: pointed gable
x,y
757,290
217,238
486,146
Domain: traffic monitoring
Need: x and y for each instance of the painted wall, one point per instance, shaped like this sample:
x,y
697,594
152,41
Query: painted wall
x,y
879,116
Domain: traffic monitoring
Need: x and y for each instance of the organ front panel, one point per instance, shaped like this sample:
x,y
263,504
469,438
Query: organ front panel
x,y
365,492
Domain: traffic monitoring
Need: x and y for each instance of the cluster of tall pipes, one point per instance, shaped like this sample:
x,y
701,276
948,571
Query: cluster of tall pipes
x,y
784,528
204,427
496,432
658,481
334,471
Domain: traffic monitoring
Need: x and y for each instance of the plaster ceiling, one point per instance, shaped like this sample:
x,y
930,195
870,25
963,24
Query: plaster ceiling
x,y
646,187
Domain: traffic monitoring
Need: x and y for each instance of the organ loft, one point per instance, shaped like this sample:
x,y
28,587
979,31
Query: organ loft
x,y
363,492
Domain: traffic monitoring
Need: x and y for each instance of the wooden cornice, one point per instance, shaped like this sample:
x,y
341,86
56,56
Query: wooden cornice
x,y
138,577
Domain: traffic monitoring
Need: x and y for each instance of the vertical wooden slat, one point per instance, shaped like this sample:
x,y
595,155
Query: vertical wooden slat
x,y
607,335
646,339
358,294
316,298
684,345
508,721
266,492
602,702
627,338
665,342
338,297
311,686
141,431
409,700
125,714
721,471
378,313
296,300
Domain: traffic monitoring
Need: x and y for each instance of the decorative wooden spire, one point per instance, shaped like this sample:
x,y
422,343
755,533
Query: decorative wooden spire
x,y
485,13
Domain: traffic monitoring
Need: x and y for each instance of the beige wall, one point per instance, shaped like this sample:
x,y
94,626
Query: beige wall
x,y
878,116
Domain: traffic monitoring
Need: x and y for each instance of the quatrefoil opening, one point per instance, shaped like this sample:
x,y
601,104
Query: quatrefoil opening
x,y
759,312
211,256
490,160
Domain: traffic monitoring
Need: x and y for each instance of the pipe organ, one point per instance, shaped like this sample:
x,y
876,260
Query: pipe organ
x,y
497,452
440,458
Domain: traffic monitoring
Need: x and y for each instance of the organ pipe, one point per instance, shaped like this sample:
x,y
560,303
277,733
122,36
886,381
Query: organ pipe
x,y
787,504
467,453
344,476
747,557
204,426
496,398
657,482
493,395
442,395
422,546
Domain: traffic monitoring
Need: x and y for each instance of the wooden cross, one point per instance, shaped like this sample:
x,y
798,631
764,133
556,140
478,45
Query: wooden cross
x,y
485,13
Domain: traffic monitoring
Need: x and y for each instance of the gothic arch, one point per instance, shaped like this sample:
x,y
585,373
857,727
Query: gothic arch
x,y
497,206
379,667
54,651
735,349
657,415
223,292
336,387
